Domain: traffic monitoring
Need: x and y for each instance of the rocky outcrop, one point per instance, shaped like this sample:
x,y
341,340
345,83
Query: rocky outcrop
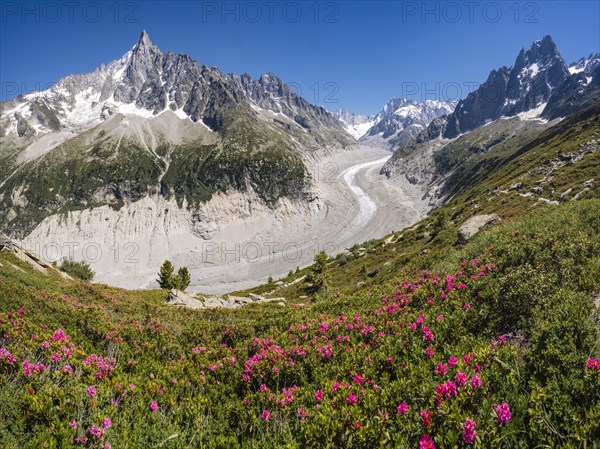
x,y
33,259
179,298
475,224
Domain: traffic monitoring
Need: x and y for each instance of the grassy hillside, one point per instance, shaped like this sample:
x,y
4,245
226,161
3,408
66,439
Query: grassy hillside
x,y
415,342
507,318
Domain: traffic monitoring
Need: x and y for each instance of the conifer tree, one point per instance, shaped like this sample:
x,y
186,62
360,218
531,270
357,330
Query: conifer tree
x,y
165,275
183,278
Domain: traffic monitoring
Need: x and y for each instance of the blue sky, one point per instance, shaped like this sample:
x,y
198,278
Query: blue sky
x,y
347,54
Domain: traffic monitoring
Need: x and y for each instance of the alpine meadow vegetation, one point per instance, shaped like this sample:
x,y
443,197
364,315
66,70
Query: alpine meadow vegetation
x,y
494,345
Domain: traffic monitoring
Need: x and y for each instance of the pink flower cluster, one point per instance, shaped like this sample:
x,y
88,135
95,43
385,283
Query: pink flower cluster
x,y
5,354
446,390
402,408
103,365
476,382
30,368
325,351
593,364
469,432
351,399
318,395
60,336
461,379
97,432
288,395
427,333
503,412
425,442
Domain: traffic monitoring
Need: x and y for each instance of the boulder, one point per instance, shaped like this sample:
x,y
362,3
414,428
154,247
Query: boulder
x,y
565,194
475,224
239,299
272,299
179,298
214,301
373,273
576,197
517,186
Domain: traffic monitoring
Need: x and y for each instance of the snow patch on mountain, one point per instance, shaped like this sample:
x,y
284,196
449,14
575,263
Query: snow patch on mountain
x,y
586,64
355,124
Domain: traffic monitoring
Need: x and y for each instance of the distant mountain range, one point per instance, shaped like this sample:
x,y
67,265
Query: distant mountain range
x,y
161,125
398,121
539,81
514,105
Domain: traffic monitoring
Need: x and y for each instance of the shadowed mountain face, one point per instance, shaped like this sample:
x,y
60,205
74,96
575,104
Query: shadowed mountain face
x,y
509,91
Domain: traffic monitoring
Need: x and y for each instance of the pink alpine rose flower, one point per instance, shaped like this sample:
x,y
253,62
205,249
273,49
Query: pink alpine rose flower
x,y
476,382
318,395
469,432
503,412
403,408
461,379
425,442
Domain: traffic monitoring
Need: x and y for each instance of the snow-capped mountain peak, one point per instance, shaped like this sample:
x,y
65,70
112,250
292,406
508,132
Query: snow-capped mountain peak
x,y
510,91
586,64
401,119
145,82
